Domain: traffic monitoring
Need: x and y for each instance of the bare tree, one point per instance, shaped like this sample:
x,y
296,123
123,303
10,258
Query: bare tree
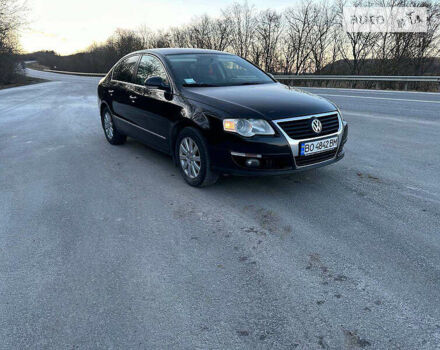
x,y
199,32
300,23
146,36
427,45
287,55
268,32
409,53
354,47
11,19
180,37
382,52
392,51
221,33
162,39
322,35
125,41
242,20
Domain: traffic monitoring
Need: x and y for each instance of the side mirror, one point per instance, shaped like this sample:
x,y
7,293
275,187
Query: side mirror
x,y
157,82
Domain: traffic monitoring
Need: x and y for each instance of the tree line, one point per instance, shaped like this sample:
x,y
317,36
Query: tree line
x,y
308,38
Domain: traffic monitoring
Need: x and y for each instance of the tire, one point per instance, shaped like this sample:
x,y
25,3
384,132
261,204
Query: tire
x,y
111,133
196,169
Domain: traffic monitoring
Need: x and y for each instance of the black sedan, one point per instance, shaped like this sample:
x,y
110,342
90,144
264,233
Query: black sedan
x,y
216,113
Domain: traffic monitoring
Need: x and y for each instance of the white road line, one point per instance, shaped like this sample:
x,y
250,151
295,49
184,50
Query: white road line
x,y
391,118
371,90
381,98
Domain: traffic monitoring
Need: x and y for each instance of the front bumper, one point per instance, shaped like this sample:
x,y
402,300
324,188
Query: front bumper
x,y
267,172
277,155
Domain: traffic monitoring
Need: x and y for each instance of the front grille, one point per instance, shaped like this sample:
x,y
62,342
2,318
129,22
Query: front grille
x,y
298,129
315,158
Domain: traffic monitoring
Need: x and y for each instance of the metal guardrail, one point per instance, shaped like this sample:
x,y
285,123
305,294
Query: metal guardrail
x,y
76,73
409,78
376,78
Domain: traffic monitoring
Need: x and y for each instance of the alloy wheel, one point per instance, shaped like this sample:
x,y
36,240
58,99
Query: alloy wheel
x,y
189,156
108,125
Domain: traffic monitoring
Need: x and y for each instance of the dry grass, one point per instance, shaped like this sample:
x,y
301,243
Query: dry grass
x,y
22,81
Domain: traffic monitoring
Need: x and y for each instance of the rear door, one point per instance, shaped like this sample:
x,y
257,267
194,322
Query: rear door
x,y
152,108
122,80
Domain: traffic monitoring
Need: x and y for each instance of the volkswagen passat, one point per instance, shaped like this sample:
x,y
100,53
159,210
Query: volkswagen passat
x,y
216,113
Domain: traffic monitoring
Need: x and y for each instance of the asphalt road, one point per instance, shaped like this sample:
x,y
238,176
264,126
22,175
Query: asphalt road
x,y
106,247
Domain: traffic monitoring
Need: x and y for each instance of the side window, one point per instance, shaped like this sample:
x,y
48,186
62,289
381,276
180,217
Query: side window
x,y
124,71
150,66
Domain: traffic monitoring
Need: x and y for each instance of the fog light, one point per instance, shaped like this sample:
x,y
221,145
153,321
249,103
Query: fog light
x,y
252,163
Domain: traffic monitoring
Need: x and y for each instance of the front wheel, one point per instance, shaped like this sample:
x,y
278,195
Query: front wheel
x,y
192,155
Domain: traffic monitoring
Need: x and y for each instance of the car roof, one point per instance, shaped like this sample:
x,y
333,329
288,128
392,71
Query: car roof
x,y
176,51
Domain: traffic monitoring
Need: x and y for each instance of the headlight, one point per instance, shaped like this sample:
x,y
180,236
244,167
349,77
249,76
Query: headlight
x,y
248,127
340,114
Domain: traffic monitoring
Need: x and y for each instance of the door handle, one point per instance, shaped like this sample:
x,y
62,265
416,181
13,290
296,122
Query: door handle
x,y
111,92
133,98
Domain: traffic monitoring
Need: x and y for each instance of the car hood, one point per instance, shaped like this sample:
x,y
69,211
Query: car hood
x,y
268,101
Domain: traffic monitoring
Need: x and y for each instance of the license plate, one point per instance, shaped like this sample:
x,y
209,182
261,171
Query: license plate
x,y
312,147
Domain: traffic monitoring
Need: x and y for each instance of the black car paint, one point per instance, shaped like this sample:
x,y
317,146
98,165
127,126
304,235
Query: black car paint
x,y
154,116
264,101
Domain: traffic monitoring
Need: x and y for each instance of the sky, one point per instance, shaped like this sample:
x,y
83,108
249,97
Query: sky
x,y
67,26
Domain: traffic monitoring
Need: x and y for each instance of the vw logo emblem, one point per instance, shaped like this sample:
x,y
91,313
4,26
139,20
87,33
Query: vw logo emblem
x,y
316,126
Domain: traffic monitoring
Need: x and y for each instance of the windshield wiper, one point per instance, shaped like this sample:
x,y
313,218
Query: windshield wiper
x,y
199,85
252,83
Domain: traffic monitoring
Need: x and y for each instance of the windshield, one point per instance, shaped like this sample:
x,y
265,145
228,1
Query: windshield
x,y
203,70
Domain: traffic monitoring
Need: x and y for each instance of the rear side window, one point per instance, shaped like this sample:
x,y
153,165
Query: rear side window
x,y
124,71
150,66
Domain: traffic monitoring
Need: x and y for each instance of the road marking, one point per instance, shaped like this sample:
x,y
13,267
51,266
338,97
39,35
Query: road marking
x,y
381,98
371,90
391,118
